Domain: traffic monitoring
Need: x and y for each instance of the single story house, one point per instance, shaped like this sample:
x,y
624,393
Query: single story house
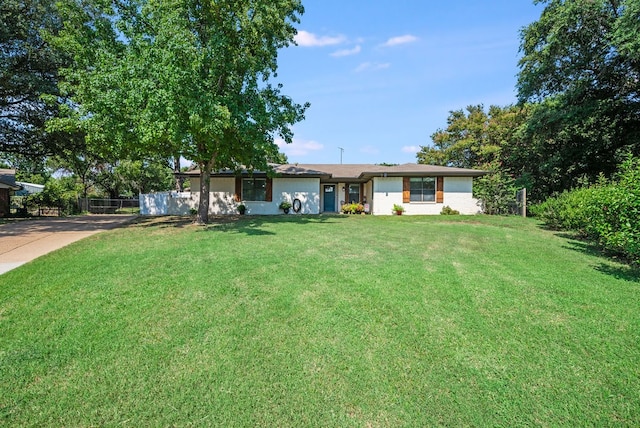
x,y
324,188
8,186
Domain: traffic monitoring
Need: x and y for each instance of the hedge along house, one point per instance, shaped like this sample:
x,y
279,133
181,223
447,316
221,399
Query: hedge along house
x,y
324,188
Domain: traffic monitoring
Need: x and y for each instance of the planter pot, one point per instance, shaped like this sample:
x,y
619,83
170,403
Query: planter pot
x,y
399,212
286,210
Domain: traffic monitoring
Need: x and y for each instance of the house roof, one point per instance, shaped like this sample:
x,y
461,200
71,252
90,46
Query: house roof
x,y
336,172
8,179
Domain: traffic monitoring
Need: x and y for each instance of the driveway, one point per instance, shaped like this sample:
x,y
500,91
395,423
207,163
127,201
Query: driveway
x,y
23,241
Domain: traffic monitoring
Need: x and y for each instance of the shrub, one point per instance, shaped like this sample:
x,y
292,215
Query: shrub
x,y
352,208
447,210
495,190
606,212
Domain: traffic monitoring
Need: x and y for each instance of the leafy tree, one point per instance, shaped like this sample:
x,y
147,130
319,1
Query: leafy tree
x,y
28,79
580,67
495,190
475,137
182,77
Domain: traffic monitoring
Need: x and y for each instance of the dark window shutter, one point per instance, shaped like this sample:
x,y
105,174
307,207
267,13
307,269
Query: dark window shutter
x,y
238,195
346,193
361,192
439,190
269,196
406,190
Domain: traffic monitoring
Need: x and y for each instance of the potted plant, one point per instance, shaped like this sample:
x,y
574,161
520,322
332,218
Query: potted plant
x,y
398,209
241,209
285,206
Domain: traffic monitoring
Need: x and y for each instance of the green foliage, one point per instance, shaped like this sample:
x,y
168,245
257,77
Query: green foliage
x,y
397,208
181,77
58,192
28,79
580,67
473,138
285,205
607,212
353,208
495,190
447,210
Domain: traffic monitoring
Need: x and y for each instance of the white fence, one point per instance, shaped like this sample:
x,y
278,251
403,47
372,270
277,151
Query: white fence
x,y
167,203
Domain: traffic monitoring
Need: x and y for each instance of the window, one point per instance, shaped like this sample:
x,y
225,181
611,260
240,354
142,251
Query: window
x,y
354,193
422,189
254,189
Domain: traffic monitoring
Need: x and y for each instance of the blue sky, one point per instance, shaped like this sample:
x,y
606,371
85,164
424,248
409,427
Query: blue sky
x,y
382,76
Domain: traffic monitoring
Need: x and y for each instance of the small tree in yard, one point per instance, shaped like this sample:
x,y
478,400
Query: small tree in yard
x,y
187,77
495,190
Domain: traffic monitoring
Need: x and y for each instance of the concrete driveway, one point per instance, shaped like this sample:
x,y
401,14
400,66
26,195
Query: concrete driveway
x,y
23,241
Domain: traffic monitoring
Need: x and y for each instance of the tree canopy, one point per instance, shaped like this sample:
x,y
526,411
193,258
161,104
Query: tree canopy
x,y
578,114
29,66
580,67
185,77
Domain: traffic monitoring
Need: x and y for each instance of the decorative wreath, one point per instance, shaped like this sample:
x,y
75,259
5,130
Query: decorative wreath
x,y
297,205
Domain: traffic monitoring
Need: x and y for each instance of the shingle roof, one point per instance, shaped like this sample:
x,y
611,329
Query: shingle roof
x,y
361,171
407,169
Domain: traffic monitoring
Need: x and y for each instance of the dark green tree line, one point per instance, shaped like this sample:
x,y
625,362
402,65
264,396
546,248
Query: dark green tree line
x,y
579,108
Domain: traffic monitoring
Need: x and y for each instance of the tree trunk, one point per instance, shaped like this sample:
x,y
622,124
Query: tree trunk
x,y
205,186
176,172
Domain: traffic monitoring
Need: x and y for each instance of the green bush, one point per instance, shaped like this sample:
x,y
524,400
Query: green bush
x,y
447,210
61,193
607,212
496,191
352,208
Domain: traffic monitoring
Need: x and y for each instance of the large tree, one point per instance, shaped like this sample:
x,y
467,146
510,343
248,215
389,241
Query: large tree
x,y
580,66
188,77
474,137
28,79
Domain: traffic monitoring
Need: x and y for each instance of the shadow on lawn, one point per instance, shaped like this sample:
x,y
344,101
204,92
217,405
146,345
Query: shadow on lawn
x,y
247,224
254,225
623,269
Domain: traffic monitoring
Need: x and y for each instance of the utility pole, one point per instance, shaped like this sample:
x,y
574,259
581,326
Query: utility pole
x,y
341,151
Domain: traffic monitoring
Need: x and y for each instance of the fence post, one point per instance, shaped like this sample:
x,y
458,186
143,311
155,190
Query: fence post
x,y
524,202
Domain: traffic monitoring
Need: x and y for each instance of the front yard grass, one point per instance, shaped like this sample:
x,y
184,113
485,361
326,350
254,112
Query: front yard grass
x,y
322,321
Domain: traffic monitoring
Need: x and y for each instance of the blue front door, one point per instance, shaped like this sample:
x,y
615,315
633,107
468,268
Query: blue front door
x,y
329,194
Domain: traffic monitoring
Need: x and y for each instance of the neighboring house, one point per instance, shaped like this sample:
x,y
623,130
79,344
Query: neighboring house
x,y
8,186
420,189
28,188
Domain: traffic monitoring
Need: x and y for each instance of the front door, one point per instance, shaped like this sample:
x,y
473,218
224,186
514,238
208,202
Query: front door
x,y
329,194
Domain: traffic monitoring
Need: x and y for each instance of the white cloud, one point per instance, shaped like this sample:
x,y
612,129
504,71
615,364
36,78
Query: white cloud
x,y
347,52
298,147
411,149
399,40
371,66
306,39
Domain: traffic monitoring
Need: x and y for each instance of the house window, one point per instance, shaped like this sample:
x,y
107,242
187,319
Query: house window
x,y
422,189
354,193
254,189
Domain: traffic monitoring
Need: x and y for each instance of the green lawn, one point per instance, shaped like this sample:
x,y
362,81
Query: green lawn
x,y
322,321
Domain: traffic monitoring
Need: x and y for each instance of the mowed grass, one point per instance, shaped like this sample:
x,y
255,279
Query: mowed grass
x,y
322,321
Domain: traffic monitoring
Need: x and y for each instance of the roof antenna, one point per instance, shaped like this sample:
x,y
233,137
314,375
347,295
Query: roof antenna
x,y
341,151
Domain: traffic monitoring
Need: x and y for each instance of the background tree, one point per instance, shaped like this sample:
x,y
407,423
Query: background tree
x,y
182,77
474,138
580,68
28,79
